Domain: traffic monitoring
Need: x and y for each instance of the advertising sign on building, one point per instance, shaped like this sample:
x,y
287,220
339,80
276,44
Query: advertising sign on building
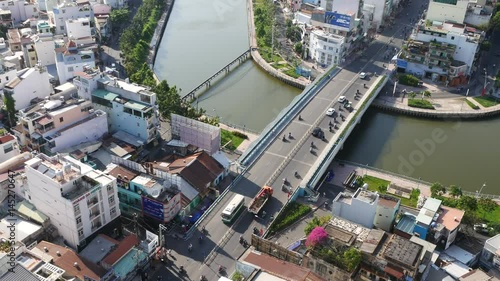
x,y
337,19
152,208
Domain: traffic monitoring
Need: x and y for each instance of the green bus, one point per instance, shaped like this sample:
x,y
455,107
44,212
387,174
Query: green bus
x,y
233,209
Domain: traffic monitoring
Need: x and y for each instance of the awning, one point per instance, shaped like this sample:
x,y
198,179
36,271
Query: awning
x,y
44,121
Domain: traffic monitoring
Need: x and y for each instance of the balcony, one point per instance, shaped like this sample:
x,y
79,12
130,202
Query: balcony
x,y
94,214
96,226
92,201
79,225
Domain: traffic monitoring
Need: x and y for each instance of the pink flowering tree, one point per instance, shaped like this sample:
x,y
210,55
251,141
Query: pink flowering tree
x,y
317,236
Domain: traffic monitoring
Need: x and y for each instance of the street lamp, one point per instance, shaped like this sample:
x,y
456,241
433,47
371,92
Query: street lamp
x,y
485,82
478,193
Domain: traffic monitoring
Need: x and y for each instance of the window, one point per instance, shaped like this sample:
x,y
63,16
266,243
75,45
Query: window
x,y
7,78
80,232
8,148
101,101
452,37
61,119
70,69
61,27
112,210
138,124
127,110
111,200
76,208
64,11
78,220
109,188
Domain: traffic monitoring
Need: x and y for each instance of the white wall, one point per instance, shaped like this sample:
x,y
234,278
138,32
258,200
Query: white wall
x,y
34,85
9,145
378,11
446,12
352,211
384,217
476,20
65,71
6,76
61,14
346,7
86,132
20,10
44,48
78,28
332,50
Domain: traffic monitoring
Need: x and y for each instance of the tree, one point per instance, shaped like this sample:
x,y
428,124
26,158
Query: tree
x,y
169,100
298,48
315,222
351,258
437,189
487,205
119,16
455,191
412,95
317,236
10,106
485,46
426,94
294,33
468,204
495,21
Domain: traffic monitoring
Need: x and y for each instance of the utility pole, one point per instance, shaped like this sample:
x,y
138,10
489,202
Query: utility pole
x,y
272,39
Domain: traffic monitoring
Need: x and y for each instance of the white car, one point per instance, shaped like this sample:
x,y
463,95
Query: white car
x,y
330,111
342,99
362,75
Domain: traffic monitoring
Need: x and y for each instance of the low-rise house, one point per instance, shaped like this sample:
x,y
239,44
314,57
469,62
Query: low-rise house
x,y
490,256
27,85
120,259
26,232
71,58
8,146
74,266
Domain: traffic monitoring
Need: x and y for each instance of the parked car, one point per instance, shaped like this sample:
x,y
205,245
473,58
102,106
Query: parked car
x,y
330,111
342,99
348,105
317,132
362,75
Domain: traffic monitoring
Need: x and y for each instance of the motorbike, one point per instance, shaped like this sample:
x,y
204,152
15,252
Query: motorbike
x,y
296,174
190,248
221,269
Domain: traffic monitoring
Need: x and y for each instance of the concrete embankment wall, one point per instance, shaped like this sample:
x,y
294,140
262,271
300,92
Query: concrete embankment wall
x,y
434,114
158,35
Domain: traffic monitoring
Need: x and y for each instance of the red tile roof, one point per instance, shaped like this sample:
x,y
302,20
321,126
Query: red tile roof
x,y
280,268
67,259
123,248
6,139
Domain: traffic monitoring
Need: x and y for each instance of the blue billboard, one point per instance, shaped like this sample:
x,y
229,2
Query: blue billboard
x,y
402,63
152,208
337,19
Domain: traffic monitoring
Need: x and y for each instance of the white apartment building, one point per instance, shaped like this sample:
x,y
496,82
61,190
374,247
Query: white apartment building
x,y
380,10
88,129
20,10
350,207
442,51
7,72
86,81
28,84
116,4
77,199
447,10
8,146
44,48
69,11
326,48
71,59
79,31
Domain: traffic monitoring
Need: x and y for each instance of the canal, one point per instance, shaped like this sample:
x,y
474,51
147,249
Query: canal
x,y
203,36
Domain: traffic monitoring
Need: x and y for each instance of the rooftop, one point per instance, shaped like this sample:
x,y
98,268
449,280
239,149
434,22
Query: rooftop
x,y
340,235
121,173
372,241
128,262
6,139
52,167
123,248
450,217
283,269
27,209
99,248
402,251
350,227
459,254
19,273
145,180
366,196
24,229
478,275
388,201
66,259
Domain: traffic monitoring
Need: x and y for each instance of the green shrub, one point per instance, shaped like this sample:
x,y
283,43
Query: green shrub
x,y
473,106
240,134
408,79
419,103
292,213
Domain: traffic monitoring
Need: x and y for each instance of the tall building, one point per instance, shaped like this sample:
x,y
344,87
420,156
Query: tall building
x,y
27,85
70,59
447,10
78,199
350,207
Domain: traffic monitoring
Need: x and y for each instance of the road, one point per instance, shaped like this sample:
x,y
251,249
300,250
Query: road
x,y
221,246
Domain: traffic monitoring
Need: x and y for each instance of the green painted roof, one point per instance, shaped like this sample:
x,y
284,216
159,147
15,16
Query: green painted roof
x,y
105,94
137,106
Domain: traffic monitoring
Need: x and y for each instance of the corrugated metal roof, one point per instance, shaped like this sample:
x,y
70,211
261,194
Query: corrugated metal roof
x,y
20,273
